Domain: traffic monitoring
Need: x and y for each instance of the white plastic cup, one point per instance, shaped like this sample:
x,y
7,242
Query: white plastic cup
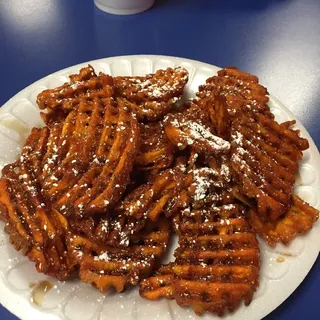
x,y
124,7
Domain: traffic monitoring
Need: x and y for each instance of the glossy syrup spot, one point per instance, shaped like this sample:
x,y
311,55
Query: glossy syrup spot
x,y
39,292
280,259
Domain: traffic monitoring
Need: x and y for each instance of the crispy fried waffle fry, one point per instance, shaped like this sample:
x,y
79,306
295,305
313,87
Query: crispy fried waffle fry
x,y
264,157
34,228
114,231
106,267
217,262
241,90
160,285
156,151
192,128
60,101
163,194
95,193
264,154
153,96
296,221
88,168
205,180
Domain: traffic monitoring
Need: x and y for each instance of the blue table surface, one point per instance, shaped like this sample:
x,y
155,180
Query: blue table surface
x,y
278,40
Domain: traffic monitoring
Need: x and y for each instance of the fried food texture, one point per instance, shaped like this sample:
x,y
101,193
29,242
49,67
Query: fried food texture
x,y
264,157
264,153
89,158
242,92
123,161
156,151
296,221
151,97
106,267
192,128
163,194
217,261
58,102
34,228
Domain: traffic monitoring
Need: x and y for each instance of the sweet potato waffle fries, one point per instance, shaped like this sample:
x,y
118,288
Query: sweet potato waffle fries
x,y
123,162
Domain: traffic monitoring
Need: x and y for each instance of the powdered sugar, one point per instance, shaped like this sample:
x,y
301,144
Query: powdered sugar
x,y
194,131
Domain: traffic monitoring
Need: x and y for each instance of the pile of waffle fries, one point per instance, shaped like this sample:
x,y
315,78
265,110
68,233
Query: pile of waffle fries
x,y
124,162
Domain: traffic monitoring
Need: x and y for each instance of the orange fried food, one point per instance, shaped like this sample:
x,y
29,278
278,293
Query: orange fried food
x,y
61,100
296,221
151,97
112,230
33,226
209,185
217,262
163,194
106,267
120,162
264,156
241,90
87,167
192,128
156,151
219,114
159,285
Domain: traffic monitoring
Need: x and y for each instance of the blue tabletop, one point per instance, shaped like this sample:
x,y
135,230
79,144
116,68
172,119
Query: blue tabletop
x,y
278,40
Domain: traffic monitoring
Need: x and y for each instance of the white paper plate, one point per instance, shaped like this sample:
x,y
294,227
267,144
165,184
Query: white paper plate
x,y
77,301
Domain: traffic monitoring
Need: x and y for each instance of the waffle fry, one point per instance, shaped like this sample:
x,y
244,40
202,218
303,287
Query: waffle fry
x,y
217,262
153,96
163,194
60,101
264,156
119,163
158,286
296,221
107,267
34,228
241,90
113,231
156,151
96,152
192,128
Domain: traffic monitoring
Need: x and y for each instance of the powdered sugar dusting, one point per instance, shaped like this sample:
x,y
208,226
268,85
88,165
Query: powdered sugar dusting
x,y
197,132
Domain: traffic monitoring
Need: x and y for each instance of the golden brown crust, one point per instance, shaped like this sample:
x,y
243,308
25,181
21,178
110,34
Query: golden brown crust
x,y
217,262
156,151
60,101
264,153
33,227
192,128
95,192
88,166
296,221
241,92
106,267
264,157
153,96
162,195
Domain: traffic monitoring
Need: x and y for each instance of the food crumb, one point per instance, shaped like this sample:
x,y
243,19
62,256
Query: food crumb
x,y
280,259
